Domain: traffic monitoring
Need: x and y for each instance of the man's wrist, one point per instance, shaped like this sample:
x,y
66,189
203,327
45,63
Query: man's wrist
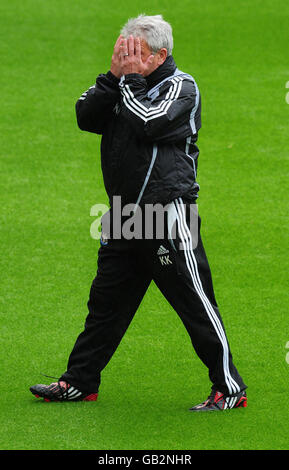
x,y
134,76
110,75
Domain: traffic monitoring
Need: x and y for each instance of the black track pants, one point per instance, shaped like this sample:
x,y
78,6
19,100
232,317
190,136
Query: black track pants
x,y
181,271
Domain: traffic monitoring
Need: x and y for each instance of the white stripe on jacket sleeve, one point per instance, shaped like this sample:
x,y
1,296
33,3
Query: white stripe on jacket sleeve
x,y
146,114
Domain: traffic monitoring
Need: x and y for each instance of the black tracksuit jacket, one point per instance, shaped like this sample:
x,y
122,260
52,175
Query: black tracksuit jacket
x,y
149,129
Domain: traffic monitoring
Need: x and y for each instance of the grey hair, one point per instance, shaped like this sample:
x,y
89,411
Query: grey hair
x,y
153,29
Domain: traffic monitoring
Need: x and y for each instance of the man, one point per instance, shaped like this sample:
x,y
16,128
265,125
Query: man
x,y
149,114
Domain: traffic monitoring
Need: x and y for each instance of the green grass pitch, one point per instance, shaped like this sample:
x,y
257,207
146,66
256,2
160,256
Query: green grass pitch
x,y
52,51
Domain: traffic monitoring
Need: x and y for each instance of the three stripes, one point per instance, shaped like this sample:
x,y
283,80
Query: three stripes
x,y
230,402
70,393
83,96
147,114
73,393
191,263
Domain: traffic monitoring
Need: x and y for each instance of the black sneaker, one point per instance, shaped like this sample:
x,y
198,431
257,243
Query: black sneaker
x,y
218,401
61,391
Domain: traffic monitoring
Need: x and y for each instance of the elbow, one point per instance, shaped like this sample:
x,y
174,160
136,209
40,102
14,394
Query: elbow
x,y
80,116
84,120
81,123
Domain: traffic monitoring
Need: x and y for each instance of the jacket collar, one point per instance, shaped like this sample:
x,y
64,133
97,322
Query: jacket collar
x,y
163,71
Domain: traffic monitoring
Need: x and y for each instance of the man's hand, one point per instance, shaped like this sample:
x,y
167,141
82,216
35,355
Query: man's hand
x,y
116,66
130,57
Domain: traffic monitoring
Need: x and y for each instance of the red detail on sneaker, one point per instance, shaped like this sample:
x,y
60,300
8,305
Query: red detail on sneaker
x,y
37,396
91,397
46,399
242,402
218,397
